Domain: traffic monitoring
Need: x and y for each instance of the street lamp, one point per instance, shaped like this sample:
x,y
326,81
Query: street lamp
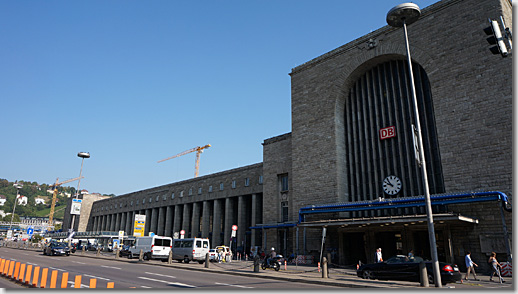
x,y
400,16
18,187
83,155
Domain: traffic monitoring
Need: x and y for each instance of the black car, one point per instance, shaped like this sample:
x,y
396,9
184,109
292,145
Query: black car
x,y
406,268
56,248
124,251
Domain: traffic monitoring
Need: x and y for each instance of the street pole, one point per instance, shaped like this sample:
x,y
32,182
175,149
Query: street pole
x,y
83,155
399,16
18,187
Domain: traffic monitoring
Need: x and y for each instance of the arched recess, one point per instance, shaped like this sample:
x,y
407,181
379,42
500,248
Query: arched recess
x,y
377,96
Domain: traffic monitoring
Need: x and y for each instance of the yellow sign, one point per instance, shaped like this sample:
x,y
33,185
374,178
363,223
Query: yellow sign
x,y
140,225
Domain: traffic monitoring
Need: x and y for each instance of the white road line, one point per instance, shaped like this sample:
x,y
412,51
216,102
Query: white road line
x,y
57,269
172,277
73,285
110,267
78,262
167,282
32,263
238,286
145,287
97,277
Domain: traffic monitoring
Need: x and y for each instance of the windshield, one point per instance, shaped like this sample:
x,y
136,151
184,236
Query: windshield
x,y
404,259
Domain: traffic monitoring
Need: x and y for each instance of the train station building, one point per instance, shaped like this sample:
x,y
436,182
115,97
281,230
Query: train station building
x,y
348,169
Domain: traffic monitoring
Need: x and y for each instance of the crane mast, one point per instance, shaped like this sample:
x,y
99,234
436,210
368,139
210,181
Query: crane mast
x,y
54,195
198,151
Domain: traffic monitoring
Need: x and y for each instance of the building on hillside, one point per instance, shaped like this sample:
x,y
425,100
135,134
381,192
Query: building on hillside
x,y
3,199
22,200
337,172
39,201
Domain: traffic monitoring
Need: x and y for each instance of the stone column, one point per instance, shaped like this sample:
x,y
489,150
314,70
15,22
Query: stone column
x,y
112,223
253,234
129,220
177,224
229,221
123,222
147,229
186,223
154,221
161,221
216,224
103,223
117,222
195,228
205,223
241,220
169,222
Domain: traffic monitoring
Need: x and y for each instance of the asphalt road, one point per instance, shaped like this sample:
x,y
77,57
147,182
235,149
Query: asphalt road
x,y
141,275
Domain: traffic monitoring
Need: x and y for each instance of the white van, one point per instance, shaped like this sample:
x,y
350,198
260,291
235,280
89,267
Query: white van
x,y
154,247
190,249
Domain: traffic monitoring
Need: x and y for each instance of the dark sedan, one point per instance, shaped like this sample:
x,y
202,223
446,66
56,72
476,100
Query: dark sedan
x,y
403,268
56,248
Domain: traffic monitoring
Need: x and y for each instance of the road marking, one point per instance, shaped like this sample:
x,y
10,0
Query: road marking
x,y
167,282
82,285
111,267
239,286
144,287
172,277
97,277
58,269
78,262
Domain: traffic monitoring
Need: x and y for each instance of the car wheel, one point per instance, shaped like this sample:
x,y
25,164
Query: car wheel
x,y
186,260
367,274
263,266
130,255
276,266
146,256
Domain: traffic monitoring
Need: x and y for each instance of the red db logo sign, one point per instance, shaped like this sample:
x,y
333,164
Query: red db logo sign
x,y
388,132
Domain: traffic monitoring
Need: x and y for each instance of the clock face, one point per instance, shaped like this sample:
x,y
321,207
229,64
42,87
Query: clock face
x,y
391,185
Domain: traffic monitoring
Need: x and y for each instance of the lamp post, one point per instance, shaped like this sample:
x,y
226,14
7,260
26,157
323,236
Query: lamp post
x,y
18,187
400,16
83,155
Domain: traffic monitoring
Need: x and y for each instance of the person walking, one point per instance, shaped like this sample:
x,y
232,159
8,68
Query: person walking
x,y
378,256
470,266
495,267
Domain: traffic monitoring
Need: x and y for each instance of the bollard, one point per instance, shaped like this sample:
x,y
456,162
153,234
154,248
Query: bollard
x,y
207,260
324,267
22,272
109,285
256,264
83,250
11,269
36,276
93,283
64,280
117,253
98,252
53,279
141,255
423,274
43,281
28,274
16,270
285,265
2,266
319,267
170,258
77,281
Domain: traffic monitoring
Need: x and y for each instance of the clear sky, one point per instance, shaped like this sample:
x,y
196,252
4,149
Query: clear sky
x,y
134,82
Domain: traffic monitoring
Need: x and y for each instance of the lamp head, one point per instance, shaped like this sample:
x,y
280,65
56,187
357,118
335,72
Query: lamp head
x,y
83,154
405,13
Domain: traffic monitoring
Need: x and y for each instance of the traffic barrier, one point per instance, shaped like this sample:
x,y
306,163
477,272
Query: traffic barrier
x,y
16,270
64,280
36,276
44,273
507,269
28,274
285,265
93,283
53,279
2,265
11,269
110,285
319,267
22,272
77,282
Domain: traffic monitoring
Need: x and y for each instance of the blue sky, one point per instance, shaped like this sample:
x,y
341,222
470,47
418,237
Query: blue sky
x,y
134,82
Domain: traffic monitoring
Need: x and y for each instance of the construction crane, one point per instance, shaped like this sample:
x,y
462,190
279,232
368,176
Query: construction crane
x,y
198,150
54,195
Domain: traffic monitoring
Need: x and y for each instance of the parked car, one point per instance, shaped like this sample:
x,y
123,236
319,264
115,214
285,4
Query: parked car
x,y
403,268
213,255
56,248
153,247
190,249
125,251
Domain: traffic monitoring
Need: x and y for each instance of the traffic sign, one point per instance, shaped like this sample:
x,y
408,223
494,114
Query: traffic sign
x,y
234,228
30,231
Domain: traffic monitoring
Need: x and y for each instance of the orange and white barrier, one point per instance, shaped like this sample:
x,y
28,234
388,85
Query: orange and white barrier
x,y
507,269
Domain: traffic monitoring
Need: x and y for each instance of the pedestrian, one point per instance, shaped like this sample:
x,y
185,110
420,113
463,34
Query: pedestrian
x,y
378,256
411,253
470,266
495,267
